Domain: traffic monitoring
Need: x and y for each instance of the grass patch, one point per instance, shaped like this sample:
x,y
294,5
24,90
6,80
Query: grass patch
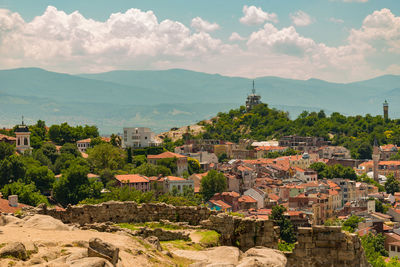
x,y
142,242
209,238
3,245
283,246
180,244
237,214
152,225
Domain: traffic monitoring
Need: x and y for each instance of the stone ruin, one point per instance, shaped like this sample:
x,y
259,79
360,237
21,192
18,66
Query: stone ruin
x,y
316,246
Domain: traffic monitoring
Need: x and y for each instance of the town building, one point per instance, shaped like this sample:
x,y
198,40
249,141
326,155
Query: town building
x,y
139,137
333,152
139,182
303,143
387,151
181,161
84,144
23,136
171,182
8,139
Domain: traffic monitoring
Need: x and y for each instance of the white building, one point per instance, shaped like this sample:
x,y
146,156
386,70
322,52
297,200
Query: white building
x,y
139,137
23,135
179,183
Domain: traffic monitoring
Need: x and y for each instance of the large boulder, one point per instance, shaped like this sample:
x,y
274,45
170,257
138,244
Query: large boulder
x,y
265,257
44,222
155,242
90,262
9,220
15,249
218,256
101,249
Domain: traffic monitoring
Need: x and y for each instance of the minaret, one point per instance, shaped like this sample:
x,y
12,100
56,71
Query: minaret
x,y
385,110
375,159
23,137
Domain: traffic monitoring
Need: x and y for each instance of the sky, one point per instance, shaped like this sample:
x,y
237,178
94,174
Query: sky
x,y
334,40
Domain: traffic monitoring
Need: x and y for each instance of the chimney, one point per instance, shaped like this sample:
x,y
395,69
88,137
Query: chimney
x,y
13,200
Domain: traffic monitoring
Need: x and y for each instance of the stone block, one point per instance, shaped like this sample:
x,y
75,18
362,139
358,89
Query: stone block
x,y
99,248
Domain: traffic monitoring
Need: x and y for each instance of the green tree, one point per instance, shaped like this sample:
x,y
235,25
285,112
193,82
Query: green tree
x,y
286,227
42,177
380,207
27,193
222,158
116,140
6,150
391,185
106,156
352,223
129,158
11,169
213,182
193,165
169,163
374,247
50,151
70,149
149,170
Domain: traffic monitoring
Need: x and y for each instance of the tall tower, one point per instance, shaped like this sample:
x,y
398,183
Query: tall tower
x,y
253,99
385,110
23,138
375,159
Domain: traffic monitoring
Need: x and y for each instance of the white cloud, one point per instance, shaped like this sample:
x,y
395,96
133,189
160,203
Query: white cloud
x,y
201,25
236,37
136,39
336,20
255,16
301,18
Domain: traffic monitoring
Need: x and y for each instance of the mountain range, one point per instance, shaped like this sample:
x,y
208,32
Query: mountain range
x,y
172,98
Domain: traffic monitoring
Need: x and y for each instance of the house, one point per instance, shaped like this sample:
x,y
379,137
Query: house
x,y
247,202
8,139
219,205
84,144
258,195
181,161
171,182
11,205
205,159
139,137
196,177
262,151
387,151
139,182
333,152
307,175
231,198
302,143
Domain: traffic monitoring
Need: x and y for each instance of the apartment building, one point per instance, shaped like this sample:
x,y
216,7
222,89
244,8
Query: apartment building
x,y
139,137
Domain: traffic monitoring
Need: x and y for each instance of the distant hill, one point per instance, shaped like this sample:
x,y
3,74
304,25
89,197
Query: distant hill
x,y
173,98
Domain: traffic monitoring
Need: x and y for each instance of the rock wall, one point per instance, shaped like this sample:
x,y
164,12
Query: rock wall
x,y
244,233
127,212
326,246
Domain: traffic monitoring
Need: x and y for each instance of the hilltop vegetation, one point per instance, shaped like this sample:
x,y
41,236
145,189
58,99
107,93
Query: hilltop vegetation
x,y
356,133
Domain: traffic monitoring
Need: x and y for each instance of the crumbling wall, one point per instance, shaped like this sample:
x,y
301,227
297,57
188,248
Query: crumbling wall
x,y
326,246
244,233
128,212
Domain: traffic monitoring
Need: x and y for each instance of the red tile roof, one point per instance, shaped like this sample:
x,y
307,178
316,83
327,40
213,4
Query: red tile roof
x,y
220,203
6,208
232,194
174,178
165,155
271,148
247,199
273,197
6,137
132,178
88,140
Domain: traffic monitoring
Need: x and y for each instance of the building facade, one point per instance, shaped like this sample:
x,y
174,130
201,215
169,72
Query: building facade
x,y
139,137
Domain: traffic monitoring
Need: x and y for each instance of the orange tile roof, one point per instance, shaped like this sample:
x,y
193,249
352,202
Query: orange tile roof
x,y
88,140
174,178
388,147
6,208
220,203
269,148
273,197
247,199
165,155
132,178
8,138
232,194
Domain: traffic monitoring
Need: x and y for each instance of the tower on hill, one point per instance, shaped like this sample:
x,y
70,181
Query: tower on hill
x,y
253,99
23,137
386,110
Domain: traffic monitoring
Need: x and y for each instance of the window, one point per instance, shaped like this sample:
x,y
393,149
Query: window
x,y
392,248
25,141
179,187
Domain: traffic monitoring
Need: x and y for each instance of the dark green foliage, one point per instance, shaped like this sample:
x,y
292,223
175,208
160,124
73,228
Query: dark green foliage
x,y
139,160
74,186
169,145
129,155
42,177
11,169
213,182
286,227
392,185
38,134
380,207
193,166
50,151
374,247
27,193
6,150
364,178
148,170
64,133
106,156
354,132
335,171
289,152
222,158
70,148
352,223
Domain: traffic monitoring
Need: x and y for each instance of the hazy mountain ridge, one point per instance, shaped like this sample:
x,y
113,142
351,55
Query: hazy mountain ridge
x,y
165,99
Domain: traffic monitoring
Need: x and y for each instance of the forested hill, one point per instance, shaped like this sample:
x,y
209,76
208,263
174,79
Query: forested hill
x,y
357,133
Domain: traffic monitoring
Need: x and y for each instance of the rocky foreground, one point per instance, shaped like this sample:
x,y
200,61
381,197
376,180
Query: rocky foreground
x,y
41,240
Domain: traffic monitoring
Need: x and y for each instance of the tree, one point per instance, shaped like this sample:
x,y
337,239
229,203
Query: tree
x,y
50,151
116,140
74,186
319,167
222,158
352,223
42,177
6,150
193,165
11,169
286,227
71,149
213,182
148,169
380,207
27,193
169,163
129,155
106,156
374,247
392,185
